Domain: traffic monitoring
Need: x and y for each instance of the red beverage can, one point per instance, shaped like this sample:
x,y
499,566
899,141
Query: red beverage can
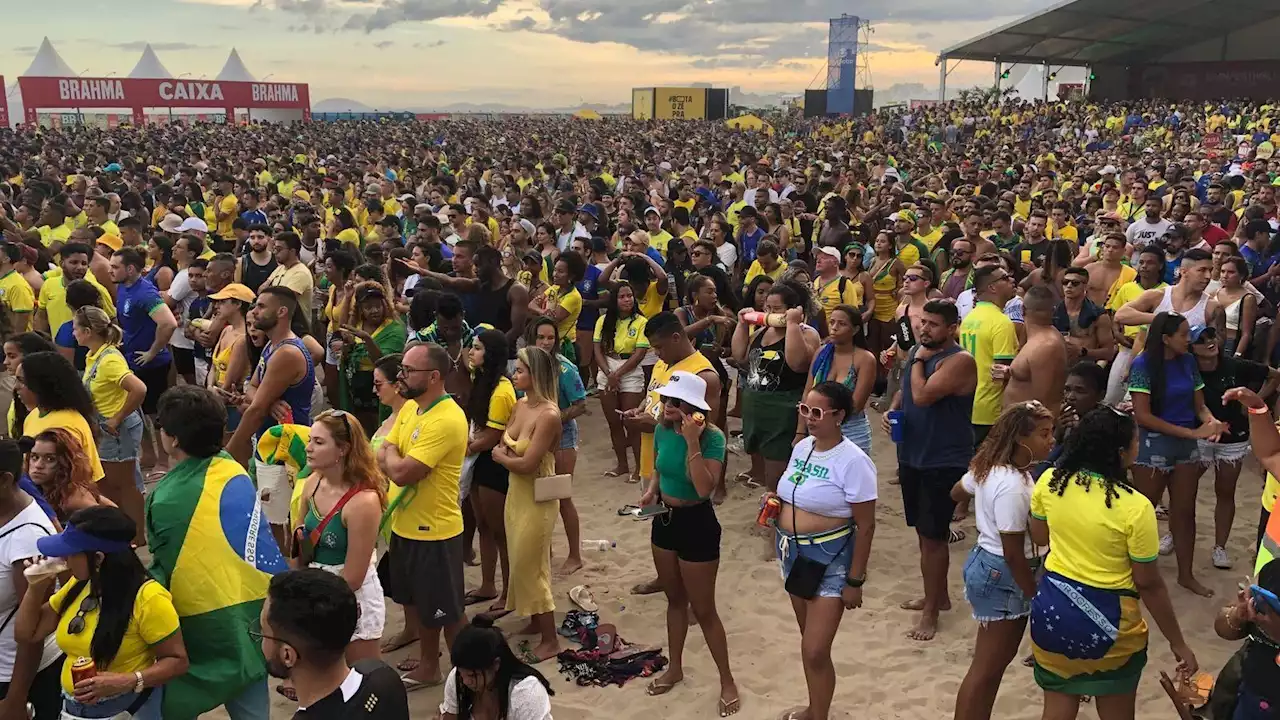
x,y
769,510
82,669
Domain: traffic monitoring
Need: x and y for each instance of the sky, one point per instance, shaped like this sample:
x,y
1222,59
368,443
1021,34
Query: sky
x,y
531,53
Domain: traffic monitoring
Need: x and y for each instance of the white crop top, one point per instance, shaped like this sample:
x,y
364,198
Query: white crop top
x,y
827,483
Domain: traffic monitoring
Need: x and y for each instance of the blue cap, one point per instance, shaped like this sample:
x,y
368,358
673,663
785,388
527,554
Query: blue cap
x,y
72,541
113,167
1199,330
590,210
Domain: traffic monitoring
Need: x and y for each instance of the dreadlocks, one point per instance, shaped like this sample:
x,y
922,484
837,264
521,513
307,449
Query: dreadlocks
x,y
1094,451
999,449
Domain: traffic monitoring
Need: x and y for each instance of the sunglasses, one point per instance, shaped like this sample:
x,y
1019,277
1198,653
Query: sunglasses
x,y
913,278
1072,283
76,625
810,412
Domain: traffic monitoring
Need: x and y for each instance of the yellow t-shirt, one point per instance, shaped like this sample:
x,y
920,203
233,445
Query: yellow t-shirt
x,y
1022,208
931,238
53,299
1092,543
105,383
1127,294
74,423
1067,232
153,620
501,403
628,334
228,206
16,292
988,335
695,363
909,255
298,279
652,302
756,270
349,236
48,235
437,438
829,294
658,241
572,303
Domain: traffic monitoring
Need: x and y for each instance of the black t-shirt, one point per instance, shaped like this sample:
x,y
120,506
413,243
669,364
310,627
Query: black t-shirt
x,y
1259,671
1232,372
373,691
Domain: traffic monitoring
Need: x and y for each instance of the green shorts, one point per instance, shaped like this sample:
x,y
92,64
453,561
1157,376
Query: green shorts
x,y
769,423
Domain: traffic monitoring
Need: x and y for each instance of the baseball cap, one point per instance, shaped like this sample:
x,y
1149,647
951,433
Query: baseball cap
x,y
1205,332
1108,170
112,168
193,223
590,210
828,250
73,541
112,241
686,387
748,211
171,223
565,206
655,211
234,291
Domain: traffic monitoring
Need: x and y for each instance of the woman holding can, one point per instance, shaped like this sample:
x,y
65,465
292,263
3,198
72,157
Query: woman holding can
x,y
825,523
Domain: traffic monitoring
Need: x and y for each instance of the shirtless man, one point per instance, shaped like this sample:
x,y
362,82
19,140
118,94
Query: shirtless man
x,y
1108,274
1044,351
1085,324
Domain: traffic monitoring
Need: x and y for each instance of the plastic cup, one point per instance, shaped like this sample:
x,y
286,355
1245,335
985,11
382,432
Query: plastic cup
x,y
895,425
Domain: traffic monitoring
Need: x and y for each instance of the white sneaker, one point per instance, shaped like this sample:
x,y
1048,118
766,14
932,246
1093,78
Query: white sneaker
x,y
1220,559
1166,544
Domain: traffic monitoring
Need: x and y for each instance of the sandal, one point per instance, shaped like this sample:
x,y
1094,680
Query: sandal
x,y
659,688
408,664
731,707
615,473
582,597
955,537
287,693
633,479
626,510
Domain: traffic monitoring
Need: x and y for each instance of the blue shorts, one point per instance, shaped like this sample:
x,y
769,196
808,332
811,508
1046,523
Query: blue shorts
x,y
991,590
1165,452
569,435
858,430
125,445
1251,706
113,706
834,549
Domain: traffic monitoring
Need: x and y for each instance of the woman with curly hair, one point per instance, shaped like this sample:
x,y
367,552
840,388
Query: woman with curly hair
x,y
56,464
49,385
370,329
999,576
343,498
1088,635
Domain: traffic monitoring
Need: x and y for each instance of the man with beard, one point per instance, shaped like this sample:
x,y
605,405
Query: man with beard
x,y
959,277
936,403
424,450
291,272
487,296
1044,352
988,334
256,265
1149,228
52,309
306,623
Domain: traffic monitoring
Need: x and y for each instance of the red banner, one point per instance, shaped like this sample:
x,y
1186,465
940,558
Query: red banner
x,y
4,105
137,93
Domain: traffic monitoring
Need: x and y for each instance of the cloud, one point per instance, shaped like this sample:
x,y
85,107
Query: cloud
x,y
24,49
391,12
428,45
384,44
523,23
139,45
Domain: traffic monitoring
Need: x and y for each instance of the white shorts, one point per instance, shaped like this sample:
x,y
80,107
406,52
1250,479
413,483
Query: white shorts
x,y
632,382
275,489
1214,454
373,608
650,359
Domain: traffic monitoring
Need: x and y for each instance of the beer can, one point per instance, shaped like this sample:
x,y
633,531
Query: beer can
x,y
769,510
82,669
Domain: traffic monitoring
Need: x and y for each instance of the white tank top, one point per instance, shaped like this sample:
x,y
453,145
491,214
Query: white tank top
x,y
1194,316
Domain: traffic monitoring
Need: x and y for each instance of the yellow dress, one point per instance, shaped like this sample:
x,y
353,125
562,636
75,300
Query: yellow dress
x,y
885,301
529,526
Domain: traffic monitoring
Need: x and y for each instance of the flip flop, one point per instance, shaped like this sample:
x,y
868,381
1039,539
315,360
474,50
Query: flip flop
x,y
626,510
526,654
633,480
493,615
731,707
472,597
287,693
411,685
582,597
392,647
955,537
656,688
615,473
408,664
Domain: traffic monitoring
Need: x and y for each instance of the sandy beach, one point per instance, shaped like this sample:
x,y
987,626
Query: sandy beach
x,y
882,674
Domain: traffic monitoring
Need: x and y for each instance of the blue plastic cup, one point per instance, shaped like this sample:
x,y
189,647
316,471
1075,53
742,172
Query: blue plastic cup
x,y
895,425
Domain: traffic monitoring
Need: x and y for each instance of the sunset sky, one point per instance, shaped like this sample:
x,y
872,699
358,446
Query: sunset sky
x,y
536,53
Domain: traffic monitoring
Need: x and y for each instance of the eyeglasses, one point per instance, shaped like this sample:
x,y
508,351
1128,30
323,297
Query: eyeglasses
x,y
87,605
810,412
255,632
698,253
405,371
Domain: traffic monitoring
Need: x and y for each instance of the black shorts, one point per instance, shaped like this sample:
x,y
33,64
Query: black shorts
x,y
980,433
926,499
427,575
487,473
184,360
157,381
692,533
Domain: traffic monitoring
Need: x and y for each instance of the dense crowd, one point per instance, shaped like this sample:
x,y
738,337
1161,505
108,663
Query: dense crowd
x,y
311,368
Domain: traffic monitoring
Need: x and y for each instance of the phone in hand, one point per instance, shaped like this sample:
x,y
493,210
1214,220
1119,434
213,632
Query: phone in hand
x,y
1264,600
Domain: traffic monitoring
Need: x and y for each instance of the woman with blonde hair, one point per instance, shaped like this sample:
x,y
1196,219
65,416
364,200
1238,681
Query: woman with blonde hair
x,y
56,464
343,498
527,451
1000,574
370,329
117,395
228,366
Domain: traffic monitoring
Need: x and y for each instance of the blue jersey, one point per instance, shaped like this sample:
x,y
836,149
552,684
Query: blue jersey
x,y
134,304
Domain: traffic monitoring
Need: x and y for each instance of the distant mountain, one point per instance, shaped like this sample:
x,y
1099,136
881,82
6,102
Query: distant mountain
x,y
348,105
340,105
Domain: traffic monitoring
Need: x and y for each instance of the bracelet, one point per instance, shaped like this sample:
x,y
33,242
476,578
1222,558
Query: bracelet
x,y
697,454
1264,410
139,685
1226,615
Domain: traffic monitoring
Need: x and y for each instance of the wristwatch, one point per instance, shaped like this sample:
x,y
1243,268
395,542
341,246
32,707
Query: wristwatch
x,y
856,582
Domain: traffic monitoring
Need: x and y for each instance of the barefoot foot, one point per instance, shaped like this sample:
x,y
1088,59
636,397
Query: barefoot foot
x,y
918,604
1195,586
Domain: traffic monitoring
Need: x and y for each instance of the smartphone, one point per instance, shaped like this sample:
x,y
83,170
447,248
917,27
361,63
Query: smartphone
x,y
649,511
1264,600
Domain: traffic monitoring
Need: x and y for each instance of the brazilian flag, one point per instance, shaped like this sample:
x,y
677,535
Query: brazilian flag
x,y
213,550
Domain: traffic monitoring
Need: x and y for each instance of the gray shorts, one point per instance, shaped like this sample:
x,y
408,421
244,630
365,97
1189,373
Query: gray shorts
x,y
427,575
1213,454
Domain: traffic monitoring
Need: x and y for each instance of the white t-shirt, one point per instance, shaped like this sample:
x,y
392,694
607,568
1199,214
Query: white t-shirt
x,y
565,239
1002,504
182,295
1142,233
529,699
728,254
827,483
18,543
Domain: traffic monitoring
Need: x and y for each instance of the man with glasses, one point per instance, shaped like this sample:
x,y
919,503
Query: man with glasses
x,y
988,334
423,454
306,623
959,277
1084,324
565,218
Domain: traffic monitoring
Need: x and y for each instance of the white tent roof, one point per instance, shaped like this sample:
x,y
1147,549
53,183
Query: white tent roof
x,y
48,63
149,66
234,70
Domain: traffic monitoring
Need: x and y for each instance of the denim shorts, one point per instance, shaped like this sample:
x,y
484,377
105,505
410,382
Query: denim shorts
x,y
114,706
858,430
834,549
1213,454
990,588
569,435
126,445
1165,452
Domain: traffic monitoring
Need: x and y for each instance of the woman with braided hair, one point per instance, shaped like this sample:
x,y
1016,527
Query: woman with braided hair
x,y
1088,635
999,576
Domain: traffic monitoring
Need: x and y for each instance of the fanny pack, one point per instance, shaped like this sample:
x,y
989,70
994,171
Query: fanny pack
x,y
805,578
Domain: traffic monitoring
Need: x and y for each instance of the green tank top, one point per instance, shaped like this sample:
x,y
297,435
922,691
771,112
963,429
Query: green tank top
x,y
331,549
